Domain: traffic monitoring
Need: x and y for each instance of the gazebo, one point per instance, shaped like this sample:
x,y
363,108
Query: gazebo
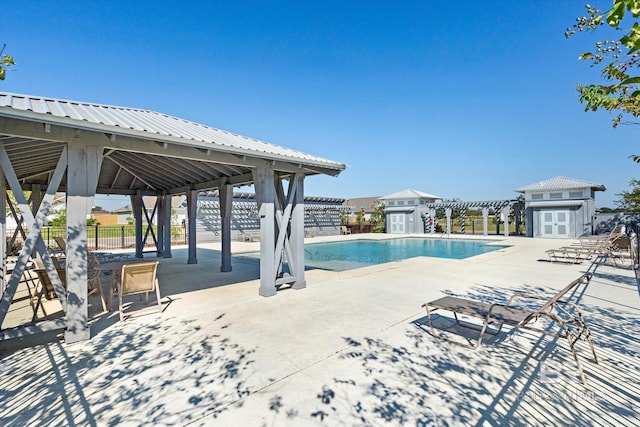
x,y
83,149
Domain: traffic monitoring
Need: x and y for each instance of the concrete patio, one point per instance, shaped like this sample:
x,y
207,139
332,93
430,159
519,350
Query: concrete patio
x,y
351,349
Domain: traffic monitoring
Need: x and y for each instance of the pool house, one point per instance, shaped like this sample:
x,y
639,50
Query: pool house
x,y
560,208
403,211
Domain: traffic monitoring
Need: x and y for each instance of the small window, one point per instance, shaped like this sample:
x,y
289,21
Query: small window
x,y
390,203
400,202
537,196
555,195
575,194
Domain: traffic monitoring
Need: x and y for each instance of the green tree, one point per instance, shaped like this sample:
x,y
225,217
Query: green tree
x,y
59,219
344,218
360,219
618,57
6,62
629,201
377,218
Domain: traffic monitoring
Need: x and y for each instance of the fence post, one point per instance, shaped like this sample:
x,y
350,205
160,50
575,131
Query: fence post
x,y
96,237
184,228
122,237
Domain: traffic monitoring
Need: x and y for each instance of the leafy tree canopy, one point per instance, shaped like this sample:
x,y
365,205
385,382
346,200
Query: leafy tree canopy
x,y
629,201
619,57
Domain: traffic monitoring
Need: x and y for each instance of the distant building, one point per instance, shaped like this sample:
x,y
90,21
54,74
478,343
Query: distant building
x,y
178,210
560,207
360,204
403,211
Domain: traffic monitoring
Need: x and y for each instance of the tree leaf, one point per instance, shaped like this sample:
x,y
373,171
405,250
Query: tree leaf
x,y
634,7
616,13
586,55
631,81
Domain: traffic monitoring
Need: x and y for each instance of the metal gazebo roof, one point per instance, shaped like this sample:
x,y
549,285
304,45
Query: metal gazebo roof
x,y
144,150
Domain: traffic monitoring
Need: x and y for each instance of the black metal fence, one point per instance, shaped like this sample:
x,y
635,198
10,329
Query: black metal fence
x,y
106,237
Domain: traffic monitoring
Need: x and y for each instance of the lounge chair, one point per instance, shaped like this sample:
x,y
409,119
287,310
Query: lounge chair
x,y
572,254
565,314
345,230
620,248
139,278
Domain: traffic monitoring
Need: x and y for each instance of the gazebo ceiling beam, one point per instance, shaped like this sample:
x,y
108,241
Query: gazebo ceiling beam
x,y
131,172
143,171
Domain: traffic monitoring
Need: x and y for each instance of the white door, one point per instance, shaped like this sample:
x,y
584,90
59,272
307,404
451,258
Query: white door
x,y
397,223
554,224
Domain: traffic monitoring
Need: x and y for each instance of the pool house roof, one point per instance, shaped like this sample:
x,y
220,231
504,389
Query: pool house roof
x,y
560,183
410,194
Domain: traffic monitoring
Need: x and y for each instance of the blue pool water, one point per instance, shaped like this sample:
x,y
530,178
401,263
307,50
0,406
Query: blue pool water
x,y
341,256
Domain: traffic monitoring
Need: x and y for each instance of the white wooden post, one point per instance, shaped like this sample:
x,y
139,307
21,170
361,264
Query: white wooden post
x,y
448,214
297,231
264,180
84,162
225,196
505,214
485,221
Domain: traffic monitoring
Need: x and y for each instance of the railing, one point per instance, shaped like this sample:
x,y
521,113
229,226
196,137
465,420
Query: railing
x,y
104,237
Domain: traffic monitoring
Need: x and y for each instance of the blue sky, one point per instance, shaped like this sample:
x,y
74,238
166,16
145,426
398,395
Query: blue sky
x,y
465,99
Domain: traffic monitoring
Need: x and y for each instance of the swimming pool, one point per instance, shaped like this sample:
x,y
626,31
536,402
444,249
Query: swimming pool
x,y
347,255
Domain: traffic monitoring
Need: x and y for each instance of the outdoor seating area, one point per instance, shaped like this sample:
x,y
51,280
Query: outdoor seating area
x,y
38,287
614,246
362,342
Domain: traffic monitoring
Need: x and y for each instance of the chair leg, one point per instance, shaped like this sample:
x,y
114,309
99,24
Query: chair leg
x,y
120,309
441,337
101,293
575,357
158,297
112,290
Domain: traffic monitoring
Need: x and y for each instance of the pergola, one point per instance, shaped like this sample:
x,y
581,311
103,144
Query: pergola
x,y
82,149
499,207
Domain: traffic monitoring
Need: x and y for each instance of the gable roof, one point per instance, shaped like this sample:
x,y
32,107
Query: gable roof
x,y
561,183
410,194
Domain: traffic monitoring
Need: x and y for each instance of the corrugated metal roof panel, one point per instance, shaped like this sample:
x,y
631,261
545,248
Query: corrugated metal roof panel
x,y
560,183
151,122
